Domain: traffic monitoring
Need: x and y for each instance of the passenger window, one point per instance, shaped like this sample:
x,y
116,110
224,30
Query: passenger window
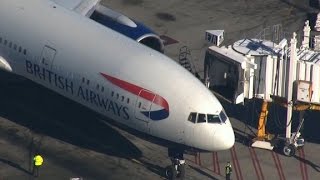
x,y
20,49
112,93
102,89
213,118
25,52
88,82
139,105
117,96
192,117
10,44
83,80
15,47
97,87
0,40
128,100
201,118
122,98
5,42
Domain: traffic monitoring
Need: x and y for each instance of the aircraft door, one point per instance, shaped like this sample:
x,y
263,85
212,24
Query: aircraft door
x,y
47,56
142,109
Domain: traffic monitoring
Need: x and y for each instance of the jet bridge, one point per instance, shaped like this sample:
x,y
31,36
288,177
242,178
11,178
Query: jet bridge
x,y
275,72
229,73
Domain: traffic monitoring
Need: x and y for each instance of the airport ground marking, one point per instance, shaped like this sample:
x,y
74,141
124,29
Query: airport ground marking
x,y
196,158
277,162
206,168
304,164
256,163
236,163
280,166
303,167
215,161
300,165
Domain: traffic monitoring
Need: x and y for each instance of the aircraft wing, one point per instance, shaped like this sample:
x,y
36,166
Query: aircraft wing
x,y
83,7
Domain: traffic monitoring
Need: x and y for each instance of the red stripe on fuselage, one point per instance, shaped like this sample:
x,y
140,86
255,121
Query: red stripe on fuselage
x,y
148,95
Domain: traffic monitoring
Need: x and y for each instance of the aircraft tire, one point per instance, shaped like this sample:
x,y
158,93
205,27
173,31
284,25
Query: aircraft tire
x,y
171,172
181,172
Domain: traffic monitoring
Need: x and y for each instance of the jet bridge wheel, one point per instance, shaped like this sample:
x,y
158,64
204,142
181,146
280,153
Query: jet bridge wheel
x,y
289,150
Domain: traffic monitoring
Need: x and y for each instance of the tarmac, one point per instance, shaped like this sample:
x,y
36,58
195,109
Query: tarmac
x,y
78,143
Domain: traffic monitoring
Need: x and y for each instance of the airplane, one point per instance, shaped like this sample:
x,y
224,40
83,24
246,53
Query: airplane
x,y
59,45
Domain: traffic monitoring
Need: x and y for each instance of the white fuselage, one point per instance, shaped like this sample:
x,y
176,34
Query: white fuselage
x,y
109,73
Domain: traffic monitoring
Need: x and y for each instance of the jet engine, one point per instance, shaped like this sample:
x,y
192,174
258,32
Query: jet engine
x,y
127,27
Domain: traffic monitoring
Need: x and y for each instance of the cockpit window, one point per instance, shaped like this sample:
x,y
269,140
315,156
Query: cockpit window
x,y
213,118
192,117
223,116
202,118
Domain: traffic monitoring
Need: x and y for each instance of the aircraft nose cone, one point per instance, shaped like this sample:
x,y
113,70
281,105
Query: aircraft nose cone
x,y
224,138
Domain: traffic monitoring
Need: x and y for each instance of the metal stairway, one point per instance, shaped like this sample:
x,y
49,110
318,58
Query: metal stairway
x,y
185,59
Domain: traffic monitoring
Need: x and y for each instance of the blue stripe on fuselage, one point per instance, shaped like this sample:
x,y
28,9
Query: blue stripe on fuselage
x,y
156,115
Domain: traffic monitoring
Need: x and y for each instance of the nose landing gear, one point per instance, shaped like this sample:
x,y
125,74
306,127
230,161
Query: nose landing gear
x,y
175,171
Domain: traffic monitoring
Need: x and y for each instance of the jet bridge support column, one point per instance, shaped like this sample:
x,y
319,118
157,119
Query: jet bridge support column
x,y
291,79
263,139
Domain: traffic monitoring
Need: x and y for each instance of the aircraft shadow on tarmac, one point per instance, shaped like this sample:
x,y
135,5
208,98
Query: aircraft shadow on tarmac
x,y
48,113
14,165
202,172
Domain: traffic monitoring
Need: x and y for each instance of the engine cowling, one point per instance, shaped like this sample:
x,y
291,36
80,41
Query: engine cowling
x,y
4,64
124,25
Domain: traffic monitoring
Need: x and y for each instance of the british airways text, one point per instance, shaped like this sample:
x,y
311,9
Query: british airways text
x,y
84,93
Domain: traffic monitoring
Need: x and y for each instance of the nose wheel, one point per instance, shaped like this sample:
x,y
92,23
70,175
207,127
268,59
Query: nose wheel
x,y
175,171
